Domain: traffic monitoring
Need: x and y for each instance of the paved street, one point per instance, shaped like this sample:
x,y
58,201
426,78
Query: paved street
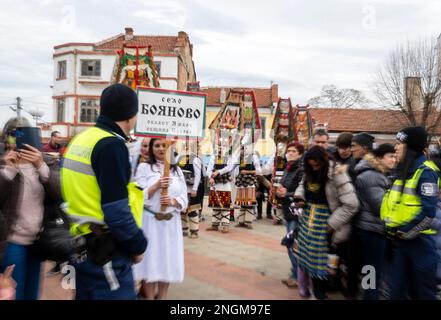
x,y
243,264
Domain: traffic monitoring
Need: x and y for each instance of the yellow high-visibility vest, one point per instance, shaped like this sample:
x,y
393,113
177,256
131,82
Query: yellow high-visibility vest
x,y
398,208
80,187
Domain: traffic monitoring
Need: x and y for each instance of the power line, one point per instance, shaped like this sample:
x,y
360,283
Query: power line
x,y
40,103
7,98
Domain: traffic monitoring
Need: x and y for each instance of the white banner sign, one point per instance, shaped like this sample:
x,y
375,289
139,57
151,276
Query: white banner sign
x,y
170,113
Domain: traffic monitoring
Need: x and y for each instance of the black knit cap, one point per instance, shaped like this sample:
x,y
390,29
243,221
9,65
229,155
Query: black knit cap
x,y
414,137
119,102
382,149
364,139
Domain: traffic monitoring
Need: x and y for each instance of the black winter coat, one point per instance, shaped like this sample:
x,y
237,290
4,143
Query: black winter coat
x,y
291,180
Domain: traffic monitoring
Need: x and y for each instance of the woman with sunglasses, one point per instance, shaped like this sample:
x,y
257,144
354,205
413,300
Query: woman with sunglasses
x,y
25,185
163,261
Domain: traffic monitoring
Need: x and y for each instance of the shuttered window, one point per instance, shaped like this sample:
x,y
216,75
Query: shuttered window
x,y
61,71
91,68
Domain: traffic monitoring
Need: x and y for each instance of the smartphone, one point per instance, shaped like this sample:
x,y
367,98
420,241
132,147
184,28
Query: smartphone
x,y
28,135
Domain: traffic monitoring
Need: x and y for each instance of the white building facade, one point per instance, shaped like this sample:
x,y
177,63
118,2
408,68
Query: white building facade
x,y
83,70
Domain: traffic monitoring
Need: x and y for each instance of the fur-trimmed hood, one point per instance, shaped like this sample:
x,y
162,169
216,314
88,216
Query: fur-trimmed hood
x,y
370,162
338,173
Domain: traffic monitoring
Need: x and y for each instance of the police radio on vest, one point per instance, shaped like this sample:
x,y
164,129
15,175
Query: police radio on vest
x,y
169,111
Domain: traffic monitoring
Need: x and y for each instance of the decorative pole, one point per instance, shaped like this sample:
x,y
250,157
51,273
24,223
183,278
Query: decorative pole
x,y
168,150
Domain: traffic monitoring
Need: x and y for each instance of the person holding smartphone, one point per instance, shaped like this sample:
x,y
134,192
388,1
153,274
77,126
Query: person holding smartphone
x,y
291,178
24,179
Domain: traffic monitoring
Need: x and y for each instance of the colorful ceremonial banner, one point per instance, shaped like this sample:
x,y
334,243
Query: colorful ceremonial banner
x,y
178,114
136,67
303,124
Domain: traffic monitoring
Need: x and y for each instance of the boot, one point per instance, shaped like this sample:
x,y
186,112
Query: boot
x,y
194,235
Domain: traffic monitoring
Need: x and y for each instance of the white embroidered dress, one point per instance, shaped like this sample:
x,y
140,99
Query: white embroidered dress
x,y
164,258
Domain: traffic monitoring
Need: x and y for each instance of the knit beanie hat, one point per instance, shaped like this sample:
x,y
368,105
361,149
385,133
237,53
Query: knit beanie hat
x,y
364,139
414,137
382,149
119,102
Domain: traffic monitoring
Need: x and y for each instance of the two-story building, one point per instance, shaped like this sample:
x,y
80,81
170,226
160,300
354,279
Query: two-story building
x,y
83,70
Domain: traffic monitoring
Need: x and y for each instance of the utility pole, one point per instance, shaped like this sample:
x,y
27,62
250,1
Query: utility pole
x,y
19,108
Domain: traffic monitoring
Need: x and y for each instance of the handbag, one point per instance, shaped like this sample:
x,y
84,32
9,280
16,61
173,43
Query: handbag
x,y
54,241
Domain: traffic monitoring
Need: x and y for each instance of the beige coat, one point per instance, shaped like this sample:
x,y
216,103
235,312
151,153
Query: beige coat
x,y
342,201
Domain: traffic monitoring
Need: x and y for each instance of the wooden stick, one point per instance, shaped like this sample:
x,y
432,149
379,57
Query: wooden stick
x,y
164,191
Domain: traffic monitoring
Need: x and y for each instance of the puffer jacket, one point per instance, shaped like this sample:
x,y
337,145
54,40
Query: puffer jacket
x,y
371,185
342,201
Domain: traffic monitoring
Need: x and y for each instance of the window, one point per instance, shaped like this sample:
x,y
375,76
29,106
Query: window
x,y
60,110
61,70
91,68
263,124
89,110
158,68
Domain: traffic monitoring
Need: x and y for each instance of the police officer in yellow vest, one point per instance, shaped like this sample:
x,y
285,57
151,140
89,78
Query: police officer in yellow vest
x,y
407,210
103,204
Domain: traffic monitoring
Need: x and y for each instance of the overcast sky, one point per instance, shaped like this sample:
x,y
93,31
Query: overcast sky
x,y
300,45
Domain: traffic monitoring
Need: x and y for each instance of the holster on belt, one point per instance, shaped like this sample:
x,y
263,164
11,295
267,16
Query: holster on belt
x,y
100,244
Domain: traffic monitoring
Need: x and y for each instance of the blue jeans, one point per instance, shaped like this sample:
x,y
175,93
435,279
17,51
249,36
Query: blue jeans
x,y
26,272
292,225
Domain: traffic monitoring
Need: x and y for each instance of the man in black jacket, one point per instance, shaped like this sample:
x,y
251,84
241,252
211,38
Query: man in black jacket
x,y
106,273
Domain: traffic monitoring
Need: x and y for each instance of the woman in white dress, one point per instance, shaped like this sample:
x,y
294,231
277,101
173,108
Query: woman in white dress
x,y
163,261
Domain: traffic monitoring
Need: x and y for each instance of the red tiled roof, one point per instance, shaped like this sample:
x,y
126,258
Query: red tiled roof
x,y
264,96
368,120
164,44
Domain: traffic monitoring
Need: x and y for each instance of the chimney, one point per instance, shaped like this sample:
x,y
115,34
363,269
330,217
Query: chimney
x,y
222,96
182,34
129,34
413,94
274,93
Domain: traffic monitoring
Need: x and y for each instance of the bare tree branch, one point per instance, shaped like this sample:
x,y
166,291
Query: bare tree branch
x,y
418,97
333,97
